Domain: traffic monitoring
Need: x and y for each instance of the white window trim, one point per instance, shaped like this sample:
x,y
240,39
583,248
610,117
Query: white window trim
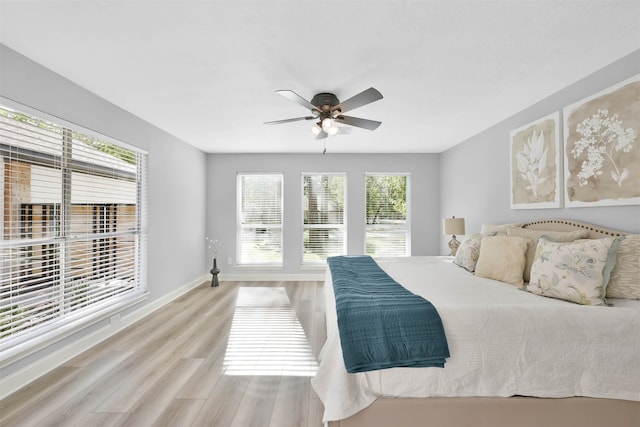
x,y
408,218
239,225
14,349
69,124
322,264
57,331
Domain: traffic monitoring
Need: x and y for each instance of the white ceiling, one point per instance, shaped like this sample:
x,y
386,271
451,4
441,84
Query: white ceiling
x,y
207,71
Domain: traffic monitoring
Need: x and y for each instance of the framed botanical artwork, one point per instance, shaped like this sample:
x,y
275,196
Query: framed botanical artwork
x,y
535,164
602,147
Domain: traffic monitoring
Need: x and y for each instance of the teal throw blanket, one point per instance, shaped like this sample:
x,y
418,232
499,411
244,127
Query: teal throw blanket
x,y
382,324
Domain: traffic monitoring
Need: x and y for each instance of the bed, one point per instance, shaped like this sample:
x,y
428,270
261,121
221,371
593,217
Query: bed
x,y
517,358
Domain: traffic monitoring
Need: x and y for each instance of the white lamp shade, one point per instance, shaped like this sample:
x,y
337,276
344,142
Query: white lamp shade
x,y
453,226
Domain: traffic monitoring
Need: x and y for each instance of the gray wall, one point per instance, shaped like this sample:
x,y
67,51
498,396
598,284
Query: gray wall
x,y
475,174
176,174
221,198
192,194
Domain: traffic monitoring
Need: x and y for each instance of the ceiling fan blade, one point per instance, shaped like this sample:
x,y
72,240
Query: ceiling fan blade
x,y
363,98
357,122
297,119
322,135
292,96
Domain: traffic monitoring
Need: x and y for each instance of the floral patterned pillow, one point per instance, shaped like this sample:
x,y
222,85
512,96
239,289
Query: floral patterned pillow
x,y
499,229
578,271
468,252
534,235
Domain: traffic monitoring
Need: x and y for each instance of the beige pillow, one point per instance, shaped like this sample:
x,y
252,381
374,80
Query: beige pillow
x,y
534,235
499,229
503,258
625,277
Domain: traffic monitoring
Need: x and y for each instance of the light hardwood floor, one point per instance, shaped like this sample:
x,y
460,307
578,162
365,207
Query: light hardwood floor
x,y
167,370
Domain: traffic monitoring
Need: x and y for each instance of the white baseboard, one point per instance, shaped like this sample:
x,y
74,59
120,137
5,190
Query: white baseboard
x,y
266,277
37,369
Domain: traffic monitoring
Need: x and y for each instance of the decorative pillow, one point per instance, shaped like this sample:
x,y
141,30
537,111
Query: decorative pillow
x,y
503,258
625,277
500,229
468,252
576,271
534,235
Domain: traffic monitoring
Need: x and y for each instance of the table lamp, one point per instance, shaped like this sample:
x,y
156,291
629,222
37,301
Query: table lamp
x,y
453,226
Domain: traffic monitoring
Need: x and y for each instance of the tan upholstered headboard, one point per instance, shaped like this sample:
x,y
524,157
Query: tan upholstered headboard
x,y
595,231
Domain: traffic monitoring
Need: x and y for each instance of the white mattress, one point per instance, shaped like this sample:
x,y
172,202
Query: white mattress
x,y
503,342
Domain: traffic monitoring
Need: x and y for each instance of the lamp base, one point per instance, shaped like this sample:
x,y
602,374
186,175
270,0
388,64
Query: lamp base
x,y
453,245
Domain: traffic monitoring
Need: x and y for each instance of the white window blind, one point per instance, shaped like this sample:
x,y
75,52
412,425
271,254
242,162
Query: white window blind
x,y
72,241
259,230
388,228
323,216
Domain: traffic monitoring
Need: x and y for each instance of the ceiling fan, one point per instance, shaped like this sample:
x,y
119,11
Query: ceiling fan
x,y
327,110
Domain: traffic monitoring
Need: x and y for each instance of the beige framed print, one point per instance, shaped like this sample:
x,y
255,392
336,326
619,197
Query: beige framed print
x,y
535,164
602,147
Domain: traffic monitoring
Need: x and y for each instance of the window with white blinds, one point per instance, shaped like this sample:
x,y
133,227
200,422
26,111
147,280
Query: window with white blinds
x,y
388,228
259,232
323,225
72,238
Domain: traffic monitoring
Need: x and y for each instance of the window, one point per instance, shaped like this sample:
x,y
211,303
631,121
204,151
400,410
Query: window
x,y
259,219
388,227
72,239
323,216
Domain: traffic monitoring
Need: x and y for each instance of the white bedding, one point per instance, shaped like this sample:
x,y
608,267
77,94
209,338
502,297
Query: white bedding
x,y
503,342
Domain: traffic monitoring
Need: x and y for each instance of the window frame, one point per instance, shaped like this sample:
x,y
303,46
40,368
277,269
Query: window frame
x,y
35,338
407,223
240,226
304,226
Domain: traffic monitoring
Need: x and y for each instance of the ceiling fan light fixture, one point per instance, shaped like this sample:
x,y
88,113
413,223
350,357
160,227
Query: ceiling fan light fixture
x,y
327,124
326,110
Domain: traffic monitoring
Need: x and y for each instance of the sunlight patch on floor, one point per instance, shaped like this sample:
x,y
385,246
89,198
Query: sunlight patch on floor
x,y
266,337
